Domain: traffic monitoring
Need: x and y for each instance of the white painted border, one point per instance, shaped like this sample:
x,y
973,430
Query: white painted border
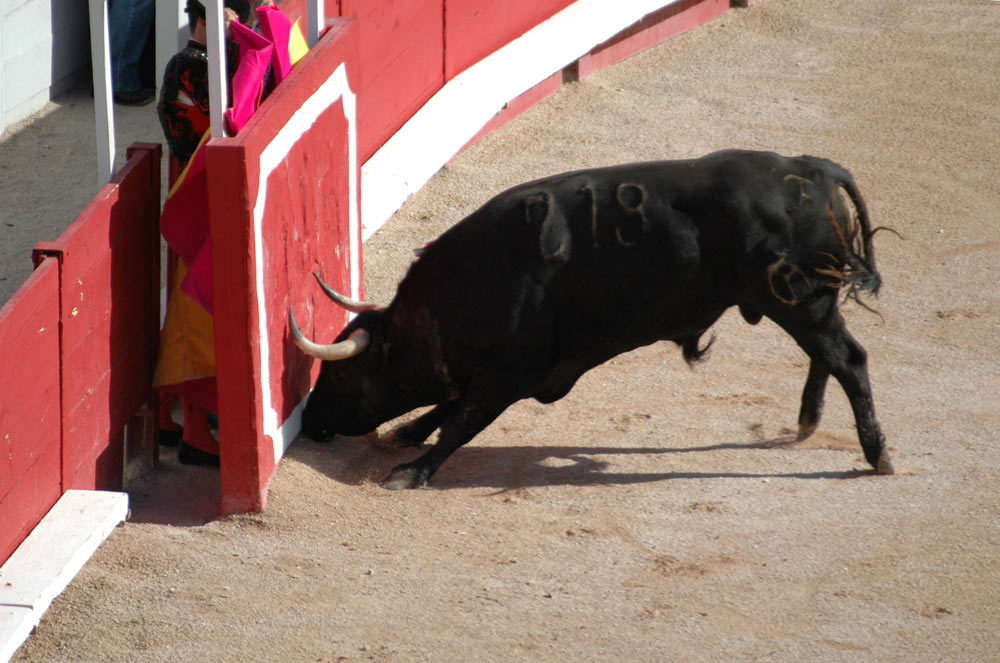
x,y
335,87
466,103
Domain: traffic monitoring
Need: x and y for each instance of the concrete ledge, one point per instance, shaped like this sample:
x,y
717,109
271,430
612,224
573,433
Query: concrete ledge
x,y
45,562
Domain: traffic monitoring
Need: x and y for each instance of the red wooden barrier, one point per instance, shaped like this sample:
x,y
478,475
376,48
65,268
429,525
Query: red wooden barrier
x,y
77,346
110,274
400,50
653,29
284,204
29,405
475,28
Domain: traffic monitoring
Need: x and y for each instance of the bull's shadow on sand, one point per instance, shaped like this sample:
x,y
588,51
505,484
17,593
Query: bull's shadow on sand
x,y
355,460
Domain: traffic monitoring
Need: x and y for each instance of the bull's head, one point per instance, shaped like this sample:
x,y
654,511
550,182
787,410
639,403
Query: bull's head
x,y
357,389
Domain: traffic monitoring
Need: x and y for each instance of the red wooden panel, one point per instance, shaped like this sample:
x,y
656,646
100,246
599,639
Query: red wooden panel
x,y
26,433
29,342
401,55
110,256
29,405
242,448
303,200
107,308
117,278
659,26
313,214
109,259
476,28
29,498
93,424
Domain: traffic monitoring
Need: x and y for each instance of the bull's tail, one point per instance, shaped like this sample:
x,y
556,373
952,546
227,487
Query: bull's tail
x,y
862,274
855,270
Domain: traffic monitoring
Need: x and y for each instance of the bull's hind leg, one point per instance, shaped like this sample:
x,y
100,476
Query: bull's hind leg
x,y
832,349
812,399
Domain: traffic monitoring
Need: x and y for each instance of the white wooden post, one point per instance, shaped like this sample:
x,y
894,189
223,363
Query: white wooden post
x,y
104,118
314,21
171,34
217,97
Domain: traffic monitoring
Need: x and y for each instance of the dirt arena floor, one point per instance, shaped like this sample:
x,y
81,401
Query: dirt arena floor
x,y
656,513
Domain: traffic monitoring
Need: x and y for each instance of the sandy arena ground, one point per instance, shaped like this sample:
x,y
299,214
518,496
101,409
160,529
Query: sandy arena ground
x,y
656,513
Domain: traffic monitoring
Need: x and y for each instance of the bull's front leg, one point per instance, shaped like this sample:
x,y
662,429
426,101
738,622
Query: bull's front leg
x,y
465,421
855,382
415,433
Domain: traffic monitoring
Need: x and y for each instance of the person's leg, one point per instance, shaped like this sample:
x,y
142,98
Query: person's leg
x,y
129,23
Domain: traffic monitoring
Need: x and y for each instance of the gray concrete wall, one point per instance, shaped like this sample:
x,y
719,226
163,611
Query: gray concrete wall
x,y
44,49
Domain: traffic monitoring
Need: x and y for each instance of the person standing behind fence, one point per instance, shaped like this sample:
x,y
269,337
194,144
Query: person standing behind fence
x,y
183,105
185,370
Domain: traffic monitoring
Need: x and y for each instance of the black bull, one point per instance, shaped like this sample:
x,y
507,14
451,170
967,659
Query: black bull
x,y
554,277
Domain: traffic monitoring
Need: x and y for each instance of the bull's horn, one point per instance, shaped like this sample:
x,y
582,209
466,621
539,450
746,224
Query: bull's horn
x,y
351,305
355,344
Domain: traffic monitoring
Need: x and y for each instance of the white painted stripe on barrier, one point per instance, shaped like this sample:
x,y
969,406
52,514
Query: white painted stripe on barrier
x,y
45,562
465,104
335,87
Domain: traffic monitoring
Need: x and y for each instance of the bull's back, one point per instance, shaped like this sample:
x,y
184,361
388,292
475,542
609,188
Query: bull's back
x,y
636,249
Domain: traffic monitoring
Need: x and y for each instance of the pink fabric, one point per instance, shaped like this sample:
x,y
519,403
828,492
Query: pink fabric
x,y
198,283
276,27
184,221
184,225
248,81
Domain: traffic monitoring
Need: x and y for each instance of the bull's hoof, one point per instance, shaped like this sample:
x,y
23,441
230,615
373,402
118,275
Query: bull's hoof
x,y
884,465
404,478
805,430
